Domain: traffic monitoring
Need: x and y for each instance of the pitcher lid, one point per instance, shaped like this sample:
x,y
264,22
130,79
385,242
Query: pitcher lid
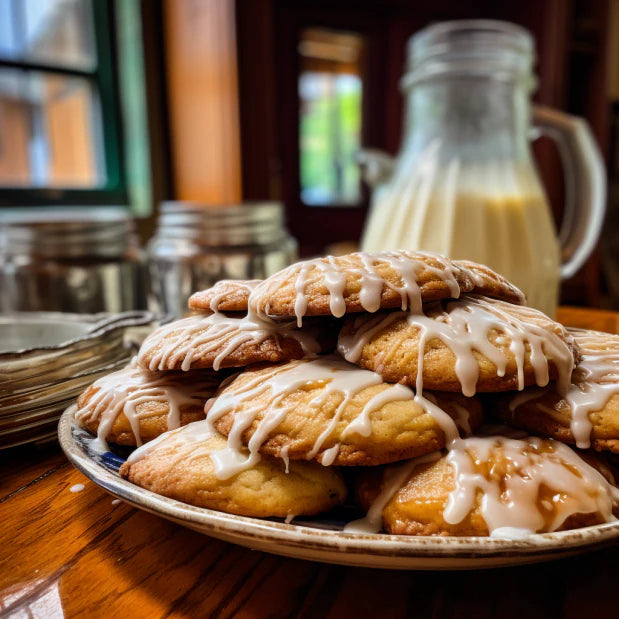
x,y
471,47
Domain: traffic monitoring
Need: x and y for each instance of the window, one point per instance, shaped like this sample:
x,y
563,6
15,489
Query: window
x,y
330,117
59,139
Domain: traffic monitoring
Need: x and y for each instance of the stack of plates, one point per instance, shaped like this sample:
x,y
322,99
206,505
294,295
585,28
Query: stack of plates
x,y
47,359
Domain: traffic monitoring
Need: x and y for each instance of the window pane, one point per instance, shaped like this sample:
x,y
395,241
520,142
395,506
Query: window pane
x,y
330,90
55,32
60,32
50,131
9,45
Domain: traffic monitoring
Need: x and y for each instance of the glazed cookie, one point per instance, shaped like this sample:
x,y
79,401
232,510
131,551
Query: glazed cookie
x,y
368,282
472,344
489,283
588,414
227,295
133,405
218,341
334,412
489,486
178,465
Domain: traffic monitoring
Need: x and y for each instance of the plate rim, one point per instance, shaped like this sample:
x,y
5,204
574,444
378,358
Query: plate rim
x,y
380,545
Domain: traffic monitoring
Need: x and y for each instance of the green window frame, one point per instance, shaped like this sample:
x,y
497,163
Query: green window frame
x,y
105,79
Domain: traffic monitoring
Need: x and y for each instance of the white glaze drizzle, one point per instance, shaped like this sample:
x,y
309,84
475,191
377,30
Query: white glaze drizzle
x,y
595,380
464,326
394,478
329,455
123,392
528,395
336,272
283,454
362,424
510,533
191,337
247,285
482,275
340,378
511,501
193,434
447,423
350,345
462,418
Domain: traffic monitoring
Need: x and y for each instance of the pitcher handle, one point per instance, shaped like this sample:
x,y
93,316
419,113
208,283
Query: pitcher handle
x,y
376,166
585,184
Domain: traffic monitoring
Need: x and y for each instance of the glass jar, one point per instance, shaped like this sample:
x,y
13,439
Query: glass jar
x,y
465,183
74,260
197,245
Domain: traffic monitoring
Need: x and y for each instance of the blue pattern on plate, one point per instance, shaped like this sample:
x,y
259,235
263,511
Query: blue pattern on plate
x,y
110,460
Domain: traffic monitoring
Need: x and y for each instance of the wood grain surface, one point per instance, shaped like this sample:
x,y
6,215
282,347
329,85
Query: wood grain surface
x,y
81,555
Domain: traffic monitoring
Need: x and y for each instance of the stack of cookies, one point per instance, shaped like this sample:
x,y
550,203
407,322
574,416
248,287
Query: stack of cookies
x,y
389,366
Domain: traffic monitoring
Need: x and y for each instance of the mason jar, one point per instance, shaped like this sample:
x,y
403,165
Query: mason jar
x,y
80,260
196,245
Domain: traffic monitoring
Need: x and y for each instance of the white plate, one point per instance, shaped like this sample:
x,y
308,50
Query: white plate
x,y
320,539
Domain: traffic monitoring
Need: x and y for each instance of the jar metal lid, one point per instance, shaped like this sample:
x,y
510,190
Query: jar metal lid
x,y
67,232
249,223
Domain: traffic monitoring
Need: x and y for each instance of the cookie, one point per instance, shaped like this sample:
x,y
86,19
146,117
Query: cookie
x,y
367,282
472,344
588,414
227,295
133,405
219,341
178,465
334,412
489,283
489,486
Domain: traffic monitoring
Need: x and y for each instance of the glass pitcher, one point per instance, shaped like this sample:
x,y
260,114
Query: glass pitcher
x,y
464,183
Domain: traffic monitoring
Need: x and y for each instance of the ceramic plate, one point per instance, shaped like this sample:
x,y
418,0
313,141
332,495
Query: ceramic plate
x,y
319,539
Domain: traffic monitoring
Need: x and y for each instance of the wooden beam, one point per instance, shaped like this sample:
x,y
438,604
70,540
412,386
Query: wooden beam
x,y
201,64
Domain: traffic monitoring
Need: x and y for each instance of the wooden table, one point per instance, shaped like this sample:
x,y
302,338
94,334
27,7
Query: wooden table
x,y
82,554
